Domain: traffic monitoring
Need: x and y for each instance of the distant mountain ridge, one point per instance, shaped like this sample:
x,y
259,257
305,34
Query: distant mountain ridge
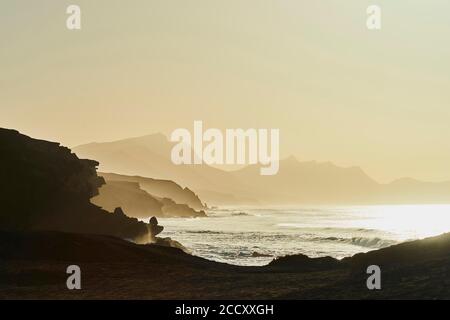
x,y
296,182
149,156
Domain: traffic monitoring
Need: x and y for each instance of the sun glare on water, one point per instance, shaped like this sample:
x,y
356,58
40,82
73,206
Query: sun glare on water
x,y
407,221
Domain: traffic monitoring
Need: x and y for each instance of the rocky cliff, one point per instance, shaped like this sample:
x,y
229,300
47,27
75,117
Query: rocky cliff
x,y
44,186
145,197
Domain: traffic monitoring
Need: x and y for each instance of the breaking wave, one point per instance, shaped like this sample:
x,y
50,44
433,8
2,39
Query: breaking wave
x,y
373,242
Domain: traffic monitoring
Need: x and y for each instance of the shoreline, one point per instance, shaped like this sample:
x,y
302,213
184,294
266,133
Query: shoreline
x,y
255,237
33,267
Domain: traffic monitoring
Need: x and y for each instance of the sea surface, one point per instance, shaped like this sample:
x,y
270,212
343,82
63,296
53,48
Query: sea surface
x,y
255,236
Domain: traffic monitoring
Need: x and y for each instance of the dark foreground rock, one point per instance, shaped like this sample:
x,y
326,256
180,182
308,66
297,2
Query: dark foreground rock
x,y
302,262
33,265
45,186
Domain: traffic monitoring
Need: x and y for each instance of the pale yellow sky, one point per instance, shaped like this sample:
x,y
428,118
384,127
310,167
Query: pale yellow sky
x,y
336,91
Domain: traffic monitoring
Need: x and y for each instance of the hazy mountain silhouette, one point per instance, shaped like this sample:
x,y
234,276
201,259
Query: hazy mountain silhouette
x,y
149,156
297,182
309,182
47,187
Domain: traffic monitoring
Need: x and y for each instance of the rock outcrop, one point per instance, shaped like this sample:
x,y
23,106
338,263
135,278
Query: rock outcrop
x,y
161,189
45,186
172,209
136,202
155,229
128,194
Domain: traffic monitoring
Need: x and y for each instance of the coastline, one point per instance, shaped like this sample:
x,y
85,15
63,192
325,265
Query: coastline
x,y
33,267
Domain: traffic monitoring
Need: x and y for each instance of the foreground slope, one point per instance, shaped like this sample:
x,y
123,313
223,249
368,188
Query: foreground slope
x,y
33,266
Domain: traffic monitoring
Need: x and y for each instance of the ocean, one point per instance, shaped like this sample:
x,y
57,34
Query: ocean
x,y
255,236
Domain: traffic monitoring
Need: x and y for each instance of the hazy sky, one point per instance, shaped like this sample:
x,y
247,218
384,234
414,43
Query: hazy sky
x,y
336,91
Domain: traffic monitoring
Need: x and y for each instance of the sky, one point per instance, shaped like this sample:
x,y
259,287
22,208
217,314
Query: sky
x,y
337,91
